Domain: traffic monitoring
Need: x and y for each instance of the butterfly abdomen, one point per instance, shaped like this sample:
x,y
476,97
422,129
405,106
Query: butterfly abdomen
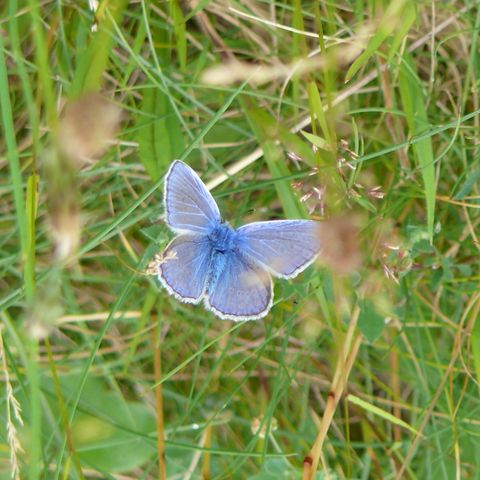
x,y
223,243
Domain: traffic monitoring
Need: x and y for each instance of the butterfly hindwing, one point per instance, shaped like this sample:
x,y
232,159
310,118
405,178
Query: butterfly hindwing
x,y
284,247
184,268
240,289
189,206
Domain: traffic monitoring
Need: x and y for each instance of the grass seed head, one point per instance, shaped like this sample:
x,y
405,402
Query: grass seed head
x,y
340,244
86,126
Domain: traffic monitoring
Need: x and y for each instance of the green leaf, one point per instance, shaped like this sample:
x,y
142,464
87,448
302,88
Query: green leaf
x,y
468,185
317,141
159,136
108,432
114,440
380,413
370,322
274,469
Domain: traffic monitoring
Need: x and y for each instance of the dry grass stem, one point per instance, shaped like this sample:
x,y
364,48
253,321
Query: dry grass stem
x,y
157,362
14,414
347,356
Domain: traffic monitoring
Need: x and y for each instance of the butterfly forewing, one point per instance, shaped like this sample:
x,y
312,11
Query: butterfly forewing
x,y
284,247
241,290
183,270
189,207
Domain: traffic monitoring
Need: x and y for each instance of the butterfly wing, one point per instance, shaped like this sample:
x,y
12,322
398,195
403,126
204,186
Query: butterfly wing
x,y
284,247
184,267
189,206
240,289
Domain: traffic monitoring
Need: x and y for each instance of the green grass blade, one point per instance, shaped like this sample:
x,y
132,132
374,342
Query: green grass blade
x,y
28,270
180,34
265,130
44,71
380,413
412,97
409,15
389,22
14,165
92,63
476,350
159,133
318,112
31,215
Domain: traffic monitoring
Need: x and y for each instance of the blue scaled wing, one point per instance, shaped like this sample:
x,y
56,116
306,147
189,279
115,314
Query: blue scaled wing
x,y
284,247
240,289
184,267
189,206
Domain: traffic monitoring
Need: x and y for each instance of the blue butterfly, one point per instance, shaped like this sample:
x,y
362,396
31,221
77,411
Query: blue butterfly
x,y
230,270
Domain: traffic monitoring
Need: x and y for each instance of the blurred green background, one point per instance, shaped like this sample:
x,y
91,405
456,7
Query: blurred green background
x,y
362,114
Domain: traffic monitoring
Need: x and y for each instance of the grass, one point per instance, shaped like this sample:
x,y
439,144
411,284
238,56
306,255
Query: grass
x,y
363,115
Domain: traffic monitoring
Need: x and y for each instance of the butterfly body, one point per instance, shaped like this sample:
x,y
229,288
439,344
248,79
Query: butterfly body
x,y
223,238
229,269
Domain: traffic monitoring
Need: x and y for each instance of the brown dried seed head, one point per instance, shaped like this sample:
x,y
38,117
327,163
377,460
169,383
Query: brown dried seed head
x,y
340,244
257,428
87,124
152,268
65,230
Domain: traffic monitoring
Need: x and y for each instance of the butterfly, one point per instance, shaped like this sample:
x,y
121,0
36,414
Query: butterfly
x,y
230,270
